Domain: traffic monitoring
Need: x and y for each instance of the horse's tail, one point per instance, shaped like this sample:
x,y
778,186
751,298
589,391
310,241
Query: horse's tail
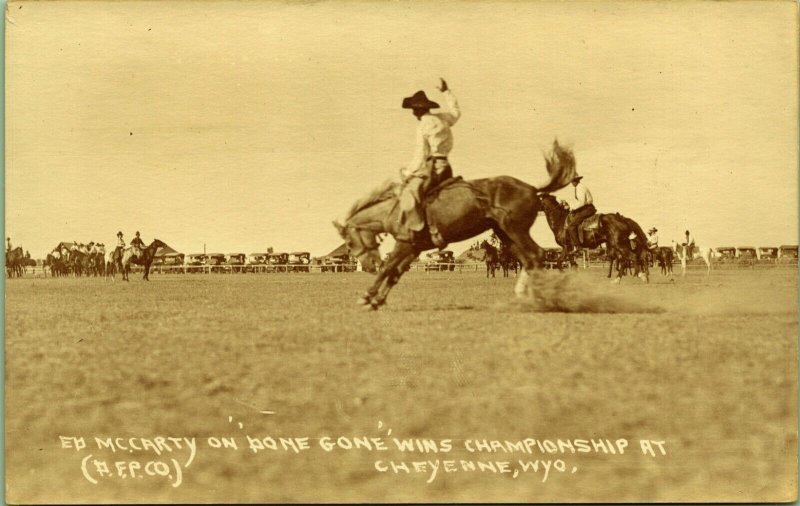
x,y
560,164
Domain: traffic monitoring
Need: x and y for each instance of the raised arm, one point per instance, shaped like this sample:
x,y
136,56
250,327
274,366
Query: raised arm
x,y
453,111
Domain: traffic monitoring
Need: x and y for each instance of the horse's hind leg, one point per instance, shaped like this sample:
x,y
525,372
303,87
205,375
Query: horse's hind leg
x,y
529,253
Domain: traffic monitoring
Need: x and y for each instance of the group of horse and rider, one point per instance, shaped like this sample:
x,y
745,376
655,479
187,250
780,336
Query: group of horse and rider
x,y
431,208
91,259
17,260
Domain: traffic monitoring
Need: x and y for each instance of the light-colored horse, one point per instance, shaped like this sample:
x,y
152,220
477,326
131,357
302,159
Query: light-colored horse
x,y
697,251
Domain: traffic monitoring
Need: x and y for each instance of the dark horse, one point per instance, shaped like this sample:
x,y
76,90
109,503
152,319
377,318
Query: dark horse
x,y
664,256
460,210
145,260
15,262
614,230
491,257
507,260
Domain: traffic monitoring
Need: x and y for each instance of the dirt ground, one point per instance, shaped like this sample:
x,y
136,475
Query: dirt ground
x,y
703,368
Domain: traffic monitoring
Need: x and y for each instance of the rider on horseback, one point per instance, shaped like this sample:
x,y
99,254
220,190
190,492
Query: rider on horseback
x,y
120,245
652,241
689,245
429,165
581,207
138,244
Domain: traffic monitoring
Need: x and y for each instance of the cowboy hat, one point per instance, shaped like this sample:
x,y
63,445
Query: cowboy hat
x,y
419,101
119,233
576,178
654,229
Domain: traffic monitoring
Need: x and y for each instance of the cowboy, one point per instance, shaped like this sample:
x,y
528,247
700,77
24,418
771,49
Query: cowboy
x,y
581,207
74,246
434,141
8,244
652,241
138,244
92,248
101,249
120,245
689,245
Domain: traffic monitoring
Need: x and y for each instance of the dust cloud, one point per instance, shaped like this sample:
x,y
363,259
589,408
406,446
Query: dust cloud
x,y
693,295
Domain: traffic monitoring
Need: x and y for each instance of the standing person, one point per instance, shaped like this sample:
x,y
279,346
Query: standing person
x,y
581,207
8,245
434,141
138,244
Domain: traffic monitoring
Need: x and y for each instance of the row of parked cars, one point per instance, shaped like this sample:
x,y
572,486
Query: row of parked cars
x,y
785,253
298,261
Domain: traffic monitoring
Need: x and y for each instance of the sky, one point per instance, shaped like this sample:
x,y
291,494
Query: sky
x,y
238,126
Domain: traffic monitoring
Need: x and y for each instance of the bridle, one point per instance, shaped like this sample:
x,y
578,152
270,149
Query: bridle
x,y
364,248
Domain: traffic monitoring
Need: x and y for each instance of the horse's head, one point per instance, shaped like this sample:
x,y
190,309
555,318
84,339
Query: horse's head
x,y
157,244
363,244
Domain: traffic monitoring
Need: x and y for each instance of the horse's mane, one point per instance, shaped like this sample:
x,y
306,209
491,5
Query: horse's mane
x,y
384,191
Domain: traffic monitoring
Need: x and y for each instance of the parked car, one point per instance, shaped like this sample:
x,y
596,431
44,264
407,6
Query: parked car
x,y
173,259
278,261
236,261
725,254
216,261
194,262
767,254
440,261
787,254
256,262
342,263
299,261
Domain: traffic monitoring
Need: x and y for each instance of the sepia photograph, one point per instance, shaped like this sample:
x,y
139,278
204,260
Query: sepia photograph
x,y
356,251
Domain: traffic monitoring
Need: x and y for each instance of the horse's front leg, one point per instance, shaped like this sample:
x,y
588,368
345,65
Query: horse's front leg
x,y
392,278
372,291
368,299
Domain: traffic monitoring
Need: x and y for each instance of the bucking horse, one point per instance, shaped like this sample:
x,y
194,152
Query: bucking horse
x,y
460,210
613,229
145,258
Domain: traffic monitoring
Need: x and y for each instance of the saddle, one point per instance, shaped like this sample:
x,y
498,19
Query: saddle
x,y
432,193
586,228
591,223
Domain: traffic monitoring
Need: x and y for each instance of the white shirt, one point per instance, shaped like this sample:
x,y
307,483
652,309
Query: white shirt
x,y
580,197
434,137
652,241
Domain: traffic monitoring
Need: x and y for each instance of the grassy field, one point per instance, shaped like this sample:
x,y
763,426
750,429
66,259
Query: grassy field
x,y
707,365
